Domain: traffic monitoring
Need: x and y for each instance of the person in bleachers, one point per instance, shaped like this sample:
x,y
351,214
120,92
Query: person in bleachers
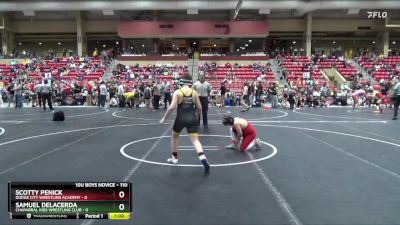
x,y
213,66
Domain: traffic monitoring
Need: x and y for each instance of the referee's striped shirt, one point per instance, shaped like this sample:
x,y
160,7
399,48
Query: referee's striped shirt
x,y
202,89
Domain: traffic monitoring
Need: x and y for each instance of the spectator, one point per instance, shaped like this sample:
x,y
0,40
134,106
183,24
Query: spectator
x,y
258,92
223,93
102,94
112,89
147,96
3,96
120,90
273,92
156,91
85,94
245,97
33,93
18,94
137,97
95,53
10,93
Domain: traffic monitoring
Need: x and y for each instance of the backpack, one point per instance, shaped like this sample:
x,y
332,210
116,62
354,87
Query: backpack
x,y
58,116
147,93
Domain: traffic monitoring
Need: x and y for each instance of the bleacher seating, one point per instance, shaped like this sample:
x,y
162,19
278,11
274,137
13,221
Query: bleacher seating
x,y
296,67
38,70
214,77
241,74
347,72
380,68
142,74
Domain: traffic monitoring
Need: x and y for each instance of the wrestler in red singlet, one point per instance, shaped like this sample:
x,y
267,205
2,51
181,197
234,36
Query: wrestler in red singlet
x,y
243,134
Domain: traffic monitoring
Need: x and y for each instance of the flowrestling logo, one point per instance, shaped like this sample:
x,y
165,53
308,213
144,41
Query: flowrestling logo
x,y
377,14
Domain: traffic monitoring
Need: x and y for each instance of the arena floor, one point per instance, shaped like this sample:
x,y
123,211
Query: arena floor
x,y
317,166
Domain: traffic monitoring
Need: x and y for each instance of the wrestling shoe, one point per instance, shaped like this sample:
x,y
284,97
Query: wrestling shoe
x,y
258,144
172,160
232,147
206,166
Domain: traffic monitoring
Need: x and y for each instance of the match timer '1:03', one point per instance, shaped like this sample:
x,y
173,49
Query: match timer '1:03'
x,y
70,200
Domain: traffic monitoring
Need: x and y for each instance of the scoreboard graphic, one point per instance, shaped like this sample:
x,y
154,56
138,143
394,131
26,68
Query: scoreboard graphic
x,y
70,200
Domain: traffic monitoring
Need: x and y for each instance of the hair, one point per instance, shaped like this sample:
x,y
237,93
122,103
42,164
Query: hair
x,y
228,120
187,76
186,79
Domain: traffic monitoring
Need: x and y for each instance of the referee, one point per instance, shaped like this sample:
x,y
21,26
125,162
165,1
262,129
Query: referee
x,y
203,89
396,99
46,91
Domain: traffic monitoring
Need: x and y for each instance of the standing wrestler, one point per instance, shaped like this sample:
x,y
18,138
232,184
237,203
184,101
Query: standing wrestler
x,y
378,98
187,103
356,97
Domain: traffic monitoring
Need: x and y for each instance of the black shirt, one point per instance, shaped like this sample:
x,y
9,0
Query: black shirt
x,y
223,90
272,91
